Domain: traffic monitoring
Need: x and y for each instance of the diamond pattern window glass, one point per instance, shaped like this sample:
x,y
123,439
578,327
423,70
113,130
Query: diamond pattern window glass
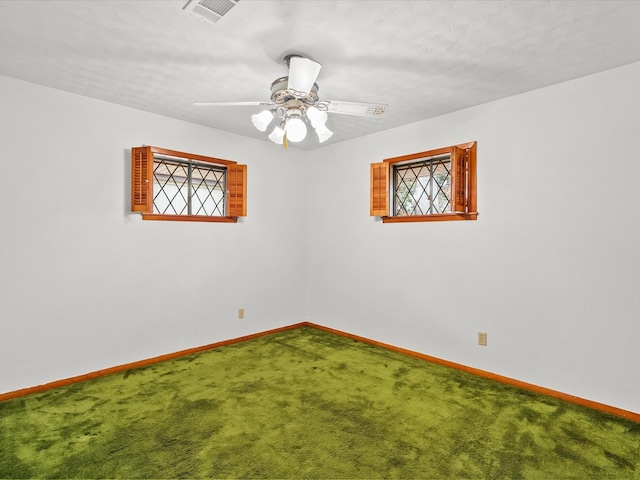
x,y
423,187
437,185
187,188
171,185
208,190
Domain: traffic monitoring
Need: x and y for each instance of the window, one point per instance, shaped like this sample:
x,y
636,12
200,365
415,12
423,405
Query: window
x,y
436,185
170,185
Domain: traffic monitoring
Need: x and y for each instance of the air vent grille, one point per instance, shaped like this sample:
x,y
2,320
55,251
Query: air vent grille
x,y
212,10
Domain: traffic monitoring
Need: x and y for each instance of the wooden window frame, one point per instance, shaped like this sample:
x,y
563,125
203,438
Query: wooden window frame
x,y
464,203
142,159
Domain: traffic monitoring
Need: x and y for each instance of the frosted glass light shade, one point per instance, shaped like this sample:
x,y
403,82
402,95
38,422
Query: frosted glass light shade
x,y
277,136
296,129
262,120
324,133
316,117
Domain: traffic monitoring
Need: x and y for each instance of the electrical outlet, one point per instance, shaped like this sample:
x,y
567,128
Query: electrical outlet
x,y
482,339
241,313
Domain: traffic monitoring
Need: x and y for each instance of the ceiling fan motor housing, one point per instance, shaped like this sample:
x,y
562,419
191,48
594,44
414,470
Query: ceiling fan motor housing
x,y
281,95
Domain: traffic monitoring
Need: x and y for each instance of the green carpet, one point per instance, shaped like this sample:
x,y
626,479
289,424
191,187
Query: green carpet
x,y
308,404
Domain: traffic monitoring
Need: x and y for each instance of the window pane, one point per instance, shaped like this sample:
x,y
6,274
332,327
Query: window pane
x,y
183,187
422,187
208,191
170,186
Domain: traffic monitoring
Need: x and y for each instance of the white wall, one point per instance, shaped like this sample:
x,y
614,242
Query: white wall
x,y
550,270
86,285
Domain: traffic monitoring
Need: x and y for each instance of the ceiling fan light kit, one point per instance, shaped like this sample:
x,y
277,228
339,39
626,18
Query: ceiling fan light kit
x,y
277,136
262,120
323,133
295,102
294,126
316,117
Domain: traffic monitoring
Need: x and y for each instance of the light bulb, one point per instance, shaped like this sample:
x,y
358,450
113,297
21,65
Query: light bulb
x,y
262,120
277,136
324,133
296,129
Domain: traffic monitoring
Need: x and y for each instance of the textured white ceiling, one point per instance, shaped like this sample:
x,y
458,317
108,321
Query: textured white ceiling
x,y
422,58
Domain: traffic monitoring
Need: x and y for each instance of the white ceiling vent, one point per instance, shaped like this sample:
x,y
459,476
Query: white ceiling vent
x,y
212,10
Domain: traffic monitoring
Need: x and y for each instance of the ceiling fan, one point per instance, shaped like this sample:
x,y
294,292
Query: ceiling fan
x,y
295,102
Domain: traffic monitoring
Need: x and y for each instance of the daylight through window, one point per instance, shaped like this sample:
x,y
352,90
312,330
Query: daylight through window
x,y
184,187
169,185
422,188
436,185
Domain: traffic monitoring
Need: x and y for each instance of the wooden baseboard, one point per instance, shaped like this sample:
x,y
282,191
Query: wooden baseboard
x,y
492,376
475,371
141,363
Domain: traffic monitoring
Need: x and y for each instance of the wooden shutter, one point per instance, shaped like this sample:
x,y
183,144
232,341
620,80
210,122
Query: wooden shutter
x,y
459,183
379,191
237,190
141,180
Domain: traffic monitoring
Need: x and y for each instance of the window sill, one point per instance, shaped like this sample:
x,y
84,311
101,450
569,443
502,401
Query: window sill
x,y
188,218
441,217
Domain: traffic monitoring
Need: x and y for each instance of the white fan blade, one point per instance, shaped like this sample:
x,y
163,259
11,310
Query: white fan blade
x,y
232,104
375,110
302,74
